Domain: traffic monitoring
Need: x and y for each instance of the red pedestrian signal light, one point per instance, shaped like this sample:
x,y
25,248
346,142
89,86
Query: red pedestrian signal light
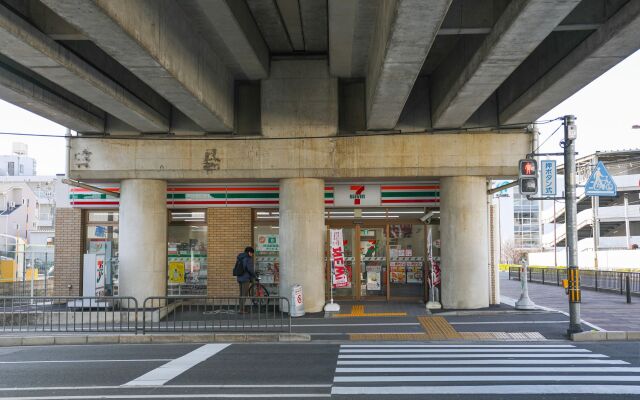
x,y
528,168
528,176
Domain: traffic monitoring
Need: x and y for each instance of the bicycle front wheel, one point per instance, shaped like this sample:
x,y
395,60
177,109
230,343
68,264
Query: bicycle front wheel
x,y
259,295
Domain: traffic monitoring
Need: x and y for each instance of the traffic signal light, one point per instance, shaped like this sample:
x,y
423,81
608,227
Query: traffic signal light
x,y
528,176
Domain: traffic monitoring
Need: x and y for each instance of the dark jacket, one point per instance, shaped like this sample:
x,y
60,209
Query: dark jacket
x,y
247,262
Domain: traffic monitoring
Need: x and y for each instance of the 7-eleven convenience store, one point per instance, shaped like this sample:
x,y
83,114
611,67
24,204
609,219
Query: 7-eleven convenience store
x,y
390,234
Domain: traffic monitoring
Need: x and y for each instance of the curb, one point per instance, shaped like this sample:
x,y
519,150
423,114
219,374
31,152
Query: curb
x,y
8,341
608,336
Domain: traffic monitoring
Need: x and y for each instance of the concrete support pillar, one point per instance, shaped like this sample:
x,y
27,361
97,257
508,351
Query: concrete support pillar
x,y
463,227
302,235
143,238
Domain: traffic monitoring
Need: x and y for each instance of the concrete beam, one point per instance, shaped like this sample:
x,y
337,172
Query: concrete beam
x,y
403,35
230,22
615,40
39,100
271,25
519,30
290,15
164,52
314,25
367,156
342,23
31,48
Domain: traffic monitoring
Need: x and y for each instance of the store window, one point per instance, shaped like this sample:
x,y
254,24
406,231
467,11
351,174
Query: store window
x,y
187,253
267,257
101,244
407,252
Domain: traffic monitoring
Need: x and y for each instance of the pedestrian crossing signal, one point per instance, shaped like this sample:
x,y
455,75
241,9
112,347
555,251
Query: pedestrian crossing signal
x,y
528,185
528,176
528,168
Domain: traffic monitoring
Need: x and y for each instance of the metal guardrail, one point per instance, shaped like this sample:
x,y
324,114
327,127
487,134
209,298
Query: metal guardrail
x,y
216,314
68,314
158,314
611,281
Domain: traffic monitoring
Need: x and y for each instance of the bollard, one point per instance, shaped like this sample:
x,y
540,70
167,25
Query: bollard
x,y
628,284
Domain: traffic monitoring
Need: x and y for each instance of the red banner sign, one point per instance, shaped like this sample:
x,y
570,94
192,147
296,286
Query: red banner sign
x,y
340,273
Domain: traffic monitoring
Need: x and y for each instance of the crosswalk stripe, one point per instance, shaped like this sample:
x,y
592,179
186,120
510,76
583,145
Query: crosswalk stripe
x,y
488,369
492,389
479,346
480,369
170,370
435,357
484,362
396,351
487,378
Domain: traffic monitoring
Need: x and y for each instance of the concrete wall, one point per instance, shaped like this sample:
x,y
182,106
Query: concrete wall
x,y
299,99
377,156
229,231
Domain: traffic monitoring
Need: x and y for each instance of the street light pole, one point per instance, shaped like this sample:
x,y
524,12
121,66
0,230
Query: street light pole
x,y
570,133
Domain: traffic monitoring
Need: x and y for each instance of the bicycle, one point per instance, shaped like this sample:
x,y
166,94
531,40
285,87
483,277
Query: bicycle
x,y
258,293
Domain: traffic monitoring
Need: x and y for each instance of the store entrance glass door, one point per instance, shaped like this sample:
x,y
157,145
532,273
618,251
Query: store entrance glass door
x,y
365,260
373,262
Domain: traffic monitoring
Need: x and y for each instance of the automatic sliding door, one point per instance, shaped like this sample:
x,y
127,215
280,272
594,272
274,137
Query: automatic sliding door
x,y
373,259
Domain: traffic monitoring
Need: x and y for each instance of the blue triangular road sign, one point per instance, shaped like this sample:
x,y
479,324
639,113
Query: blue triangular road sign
x,y
600,183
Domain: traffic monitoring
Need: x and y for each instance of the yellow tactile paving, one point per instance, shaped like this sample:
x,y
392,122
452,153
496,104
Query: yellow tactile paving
x,y
437,328
519,336
358,311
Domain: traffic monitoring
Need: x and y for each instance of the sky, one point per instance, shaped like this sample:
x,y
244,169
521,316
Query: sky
x,y
605,110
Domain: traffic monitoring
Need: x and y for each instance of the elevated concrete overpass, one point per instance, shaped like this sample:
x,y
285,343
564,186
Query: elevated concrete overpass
x,y
300,93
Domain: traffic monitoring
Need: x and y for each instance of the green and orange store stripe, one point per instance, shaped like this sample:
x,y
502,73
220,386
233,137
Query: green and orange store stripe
x,y
255,196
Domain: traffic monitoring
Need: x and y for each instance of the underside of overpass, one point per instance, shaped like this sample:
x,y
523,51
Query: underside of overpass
x,y
297,92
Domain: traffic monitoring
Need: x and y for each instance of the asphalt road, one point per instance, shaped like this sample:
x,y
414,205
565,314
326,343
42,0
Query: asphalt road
x,y
438,370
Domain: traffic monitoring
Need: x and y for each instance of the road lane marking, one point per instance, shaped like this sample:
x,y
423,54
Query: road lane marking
x,y
483,362
487,378
438,346
512,302
179,396
84,361
439,356
172,369
274,386
493,389
507,322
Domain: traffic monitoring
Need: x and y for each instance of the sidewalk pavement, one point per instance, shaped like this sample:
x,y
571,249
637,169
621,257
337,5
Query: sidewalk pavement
x,y
606,310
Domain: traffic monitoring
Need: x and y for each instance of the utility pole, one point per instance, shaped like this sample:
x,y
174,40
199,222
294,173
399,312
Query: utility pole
x,y
595,205
571,237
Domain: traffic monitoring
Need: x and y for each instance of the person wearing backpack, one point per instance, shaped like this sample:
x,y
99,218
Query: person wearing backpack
x,y
244,273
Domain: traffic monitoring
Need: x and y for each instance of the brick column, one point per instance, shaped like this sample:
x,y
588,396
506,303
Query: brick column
x,y
229,231
69,228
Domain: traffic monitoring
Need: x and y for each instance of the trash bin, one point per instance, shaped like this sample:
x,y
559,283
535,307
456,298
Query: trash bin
x,y
297,301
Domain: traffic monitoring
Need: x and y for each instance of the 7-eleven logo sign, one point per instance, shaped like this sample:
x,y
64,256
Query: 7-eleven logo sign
x,y
357,194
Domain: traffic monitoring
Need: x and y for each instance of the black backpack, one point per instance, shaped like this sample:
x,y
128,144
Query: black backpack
x,y
238,269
